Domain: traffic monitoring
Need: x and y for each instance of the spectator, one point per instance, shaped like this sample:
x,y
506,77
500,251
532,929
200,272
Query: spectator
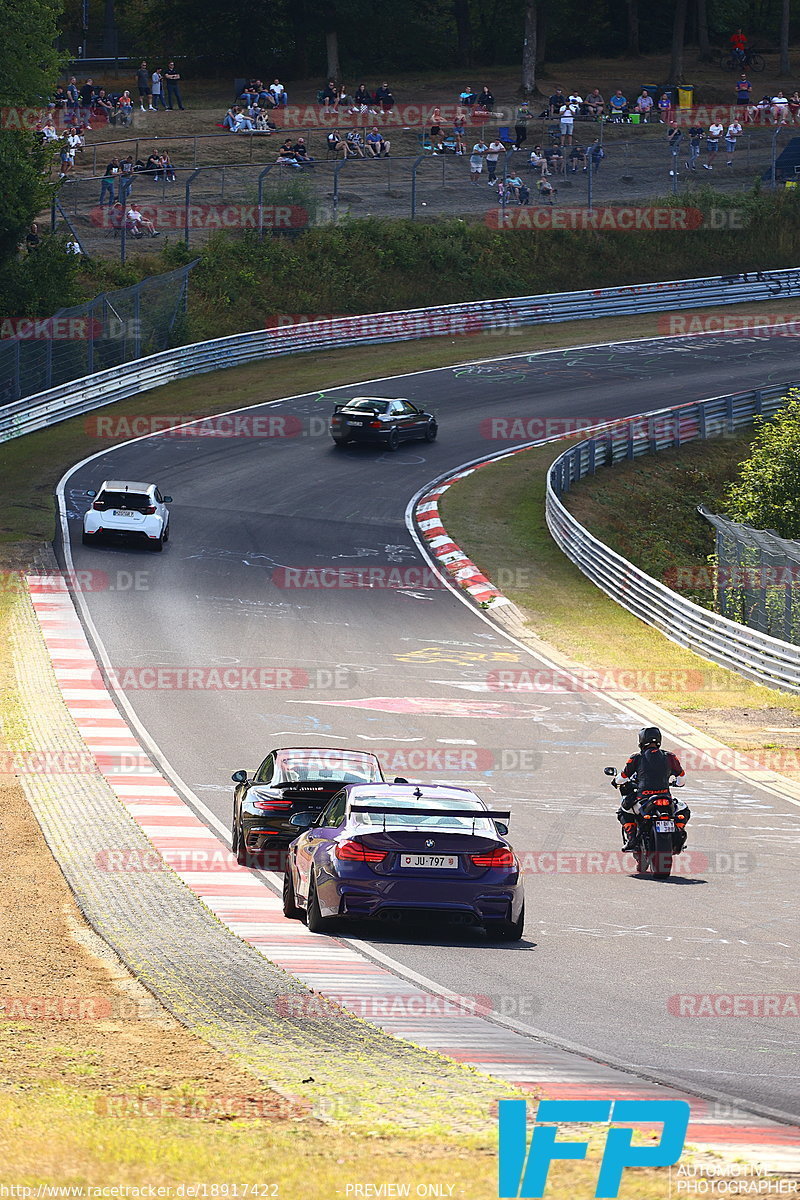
x,y
794,105
618,106
243,123
72,247
595,154
521,125
48,132
125,108
229,120
546,191
468,98
73,95
743,89
476,160
329,96
67,161
278,93
108,183
712,145
384,98
363,98
300,151
555,159
459,129
143,84
153,165
733,132
137,222
59,97
102,108
758,113
167,169
87,94
337,144
665,105
172,79
263,123
155,90
523,194
502,193
436,132
343,98
32,238
513,184
644,105
486,99
577,103
738,42
780,109
577,158
674,138
125,179
695,138
286,155
76,141
538,161
355,143
566,121
555,102
496,148
595,104
377,143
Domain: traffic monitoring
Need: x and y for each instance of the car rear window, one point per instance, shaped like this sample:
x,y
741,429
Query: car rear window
x,y
408,821
376,406
132,501
299,766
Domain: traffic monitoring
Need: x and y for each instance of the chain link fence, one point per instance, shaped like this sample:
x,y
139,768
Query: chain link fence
x,y
757,578
114,328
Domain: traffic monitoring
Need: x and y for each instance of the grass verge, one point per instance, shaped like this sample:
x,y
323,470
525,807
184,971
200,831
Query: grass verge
x,y
497,516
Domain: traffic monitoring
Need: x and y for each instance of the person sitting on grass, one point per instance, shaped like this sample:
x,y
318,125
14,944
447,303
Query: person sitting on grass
x,y
377,144
546,191
577,158
286,154
384,98
329,97
166,167
355,143
300,151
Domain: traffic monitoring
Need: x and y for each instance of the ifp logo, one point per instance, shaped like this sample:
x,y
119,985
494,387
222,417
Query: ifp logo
x,y
523,1169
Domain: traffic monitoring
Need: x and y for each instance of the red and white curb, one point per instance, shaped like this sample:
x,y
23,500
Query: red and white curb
x,y
461,569
437,1020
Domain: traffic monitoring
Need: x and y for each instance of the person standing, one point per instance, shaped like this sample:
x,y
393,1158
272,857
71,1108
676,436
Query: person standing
x,y
108,181
738,42
566,122
734,129
712,145
155,90
743,89
496,148
172,79
476,160
143,84
521,125
695,138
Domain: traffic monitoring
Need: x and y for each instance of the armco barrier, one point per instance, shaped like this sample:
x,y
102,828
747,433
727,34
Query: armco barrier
x,y
754,654
95,391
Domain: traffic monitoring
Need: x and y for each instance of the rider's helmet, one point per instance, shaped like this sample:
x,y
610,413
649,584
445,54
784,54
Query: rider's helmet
x,y
649,737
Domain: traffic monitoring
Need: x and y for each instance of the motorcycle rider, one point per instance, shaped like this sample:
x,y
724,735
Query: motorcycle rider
x,y
648,774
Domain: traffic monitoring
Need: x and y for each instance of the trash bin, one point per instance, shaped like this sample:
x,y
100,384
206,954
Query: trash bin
x,y
685,95
635,118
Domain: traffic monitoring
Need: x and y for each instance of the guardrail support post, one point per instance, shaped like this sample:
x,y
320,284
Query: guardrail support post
x,y
261,178
758,403
337,168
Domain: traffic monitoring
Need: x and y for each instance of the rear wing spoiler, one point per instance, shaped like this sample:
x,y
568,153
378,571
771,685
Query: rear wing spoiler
x,y
386,810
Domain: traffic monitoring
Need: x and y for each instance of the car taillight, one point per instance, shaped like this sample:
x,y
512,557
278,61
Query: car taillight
x,y
272,805
357,852
336,419
374,424
499,857
99,505
149,511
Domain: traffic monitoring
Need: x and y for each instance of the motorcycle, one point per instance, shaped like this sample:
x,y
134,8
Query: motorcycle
x,y
661,837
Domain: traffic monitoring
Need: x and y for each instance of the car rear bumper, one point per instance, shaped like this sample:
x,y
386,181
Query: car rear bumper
x,y
466,904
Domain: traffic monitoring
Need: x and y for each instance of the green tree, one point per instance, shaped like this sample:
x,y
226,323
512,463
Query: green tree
x,y
766,493
28,72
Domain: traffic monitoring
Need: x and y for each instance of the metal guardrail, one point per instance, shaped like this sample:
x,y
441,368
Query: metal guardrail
x,y
95,391
753,654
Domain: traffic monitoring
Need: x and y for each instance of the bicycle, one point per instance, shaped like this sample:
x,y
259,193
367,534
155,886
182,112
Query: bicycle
x,y
733,62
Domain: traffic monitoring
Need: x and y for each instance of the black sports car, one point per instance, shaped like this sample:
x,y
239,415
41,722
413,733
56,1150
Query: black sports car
x,y
380,420
290,781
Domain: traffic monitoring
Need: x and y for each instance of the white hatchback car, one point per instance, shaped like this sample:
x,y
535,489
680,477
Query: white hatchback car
x,y
126,511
